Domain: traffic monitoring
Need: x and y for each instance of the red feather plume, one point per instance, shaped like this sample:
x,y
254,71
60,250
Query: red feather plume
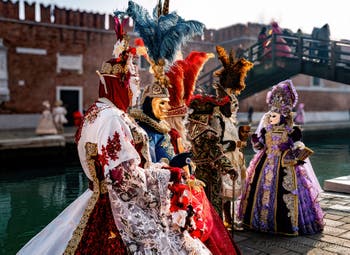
x,y
192,68
176,78
183,75
119,28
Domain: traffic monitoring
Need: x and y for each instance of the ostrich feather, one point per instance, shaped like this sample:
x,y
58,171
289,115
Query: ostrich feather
x,y
163,35
195,62
183,75
223,56
176,90
234,71
119,27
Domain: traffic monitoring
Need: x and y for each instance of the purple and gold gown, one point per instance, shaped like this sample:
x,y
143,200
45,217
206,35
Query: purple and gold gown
x,y
281,192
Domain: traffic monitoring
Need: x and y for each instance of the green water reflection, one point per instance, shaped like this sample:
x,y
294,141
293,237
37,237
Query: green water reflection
x,y
28,203
31,198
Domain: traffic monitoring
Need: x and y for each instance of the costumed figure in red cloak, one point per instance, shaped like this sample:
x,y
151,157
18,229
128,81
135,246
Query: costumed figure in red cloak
x,y
183,76
126,209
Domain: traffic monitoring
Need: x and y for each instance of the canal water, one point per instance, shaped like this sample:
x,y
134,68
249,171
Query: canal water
x,y
31,197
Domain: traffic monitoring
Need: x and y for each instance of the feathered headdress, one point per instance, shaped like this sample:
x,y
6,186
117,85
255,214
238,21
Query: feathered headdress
x,y
182,76
282,98
163,36
118,65
122,39
234,71
119,74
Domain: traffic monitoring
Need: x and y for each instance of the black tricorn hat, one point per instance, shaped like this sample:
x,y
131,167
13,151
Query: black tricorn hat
x,y
181,159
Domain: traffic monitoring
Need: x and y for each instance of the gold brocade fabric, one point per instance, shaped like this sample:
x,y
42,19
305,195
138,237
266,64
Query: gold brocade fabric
x,y
91,151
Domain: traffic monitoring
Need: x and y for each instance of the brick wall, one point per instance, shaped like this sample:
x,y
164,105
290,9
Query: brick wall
x,y
9,10
33,77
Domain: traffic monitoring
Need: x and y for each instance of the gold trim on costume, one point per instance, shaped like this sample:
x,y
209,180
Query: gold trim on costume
x,y
275,203
291,200
255,193
91,151
161,126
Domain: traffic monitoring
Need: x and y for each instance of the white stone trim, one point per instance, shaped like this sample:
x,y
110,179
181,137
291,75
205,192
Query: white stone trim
x,y
74,88
69,62
32,51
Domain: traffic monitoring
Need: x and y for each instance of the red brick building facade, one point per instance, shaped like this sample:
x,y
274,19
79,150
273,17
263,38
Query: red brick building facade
x,y
56,56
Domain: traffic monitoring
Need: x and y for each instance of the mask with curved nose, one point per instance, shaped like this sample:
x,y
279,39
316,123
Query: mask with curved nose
x,y
160,107
274,118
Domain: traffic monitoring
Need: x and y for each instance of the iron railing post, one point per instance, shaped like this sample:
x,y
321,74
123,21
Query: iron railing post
x,y
273,50
333,58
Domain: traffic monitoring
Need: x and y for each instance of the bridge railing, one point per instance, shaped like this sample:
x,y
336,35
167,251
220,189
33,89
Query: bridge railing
x,y
301,48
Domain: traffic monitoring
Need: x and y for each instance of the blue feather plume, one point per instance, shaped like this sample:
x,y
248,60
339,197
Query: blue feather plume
x,y
163,35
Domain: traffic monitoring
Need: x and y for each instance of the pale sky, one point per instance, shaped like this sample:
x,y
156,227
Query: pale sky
x,y
303,14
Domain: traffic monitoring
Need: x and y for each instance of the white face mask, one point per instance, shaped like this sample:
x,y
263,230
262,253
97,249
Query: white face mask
x,y
274,118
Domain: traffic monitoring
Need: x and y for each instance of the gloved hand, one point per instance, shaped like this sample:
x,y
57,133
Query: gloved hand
x,y
256,143
298,145
255,138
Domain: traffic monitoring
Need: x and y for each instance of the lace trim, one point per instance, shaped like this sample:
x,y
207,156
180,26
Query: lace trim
x,y
162,126
91,151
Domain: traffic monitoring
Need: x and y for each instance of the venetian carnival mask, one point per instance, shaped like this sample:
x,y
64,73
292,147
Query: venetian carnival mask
x,y
160,107
274,118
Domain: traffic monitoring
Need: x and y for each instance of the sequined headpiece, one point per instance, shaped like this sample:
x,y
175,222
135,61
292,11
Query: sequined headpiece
x,y
282,98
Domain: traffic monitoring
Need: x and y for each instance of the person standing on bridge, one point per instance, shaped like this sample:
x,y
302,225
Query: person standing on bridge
x,y
282,189
261,42
281,47
323,35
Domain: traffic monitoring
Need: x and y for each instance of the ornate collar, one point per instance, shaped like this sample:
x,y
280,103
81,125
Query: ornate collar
x,y
119,111
161,126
